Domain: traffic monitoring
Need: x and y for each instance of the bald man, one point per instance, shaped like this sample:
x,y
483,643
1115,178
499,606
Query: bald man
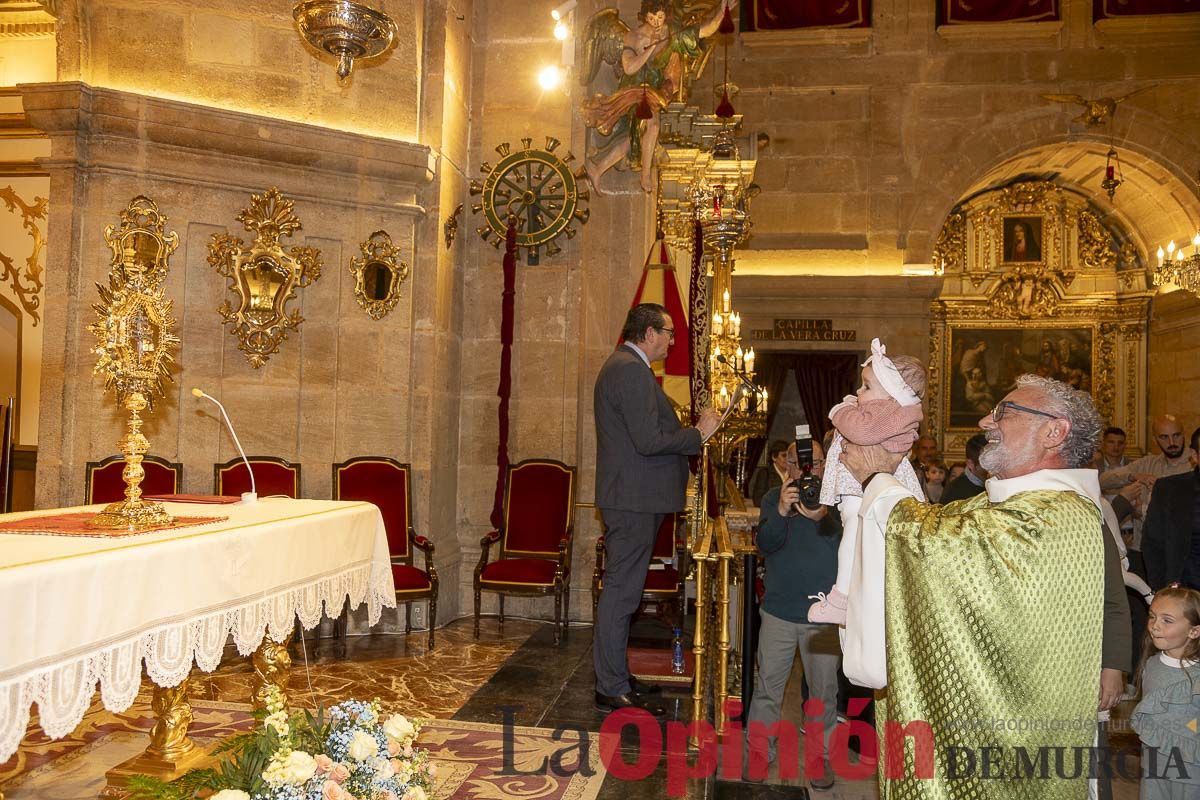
x,y
1173,458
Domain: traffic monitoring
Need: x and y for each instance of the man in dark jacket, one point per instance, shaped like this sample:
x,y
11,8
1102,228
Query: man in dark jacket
x,y
970,483
641,475
1171,533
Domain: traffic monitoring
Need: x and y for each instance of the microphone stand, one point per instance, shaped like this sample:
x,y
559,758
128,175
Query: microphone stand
x,y
252,495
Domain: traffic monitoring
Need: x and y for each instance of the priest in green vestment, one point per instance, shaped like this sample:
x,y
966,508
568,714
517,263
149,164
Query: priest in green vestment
x,y
991,609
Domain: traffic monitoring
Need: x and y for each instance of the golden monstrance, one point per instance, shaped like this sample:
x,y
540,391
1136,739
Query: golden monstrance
x,y
135,344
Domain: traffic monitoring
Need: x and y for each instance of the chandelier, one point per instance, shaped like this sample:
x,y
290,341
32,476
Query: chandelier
x,y
722,210
344,29
1174,267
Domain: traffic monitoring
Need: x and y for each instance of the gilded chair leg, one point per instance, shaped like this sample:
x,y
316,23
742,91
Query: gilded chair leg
x,y
566,625
432,618
478,601
558,616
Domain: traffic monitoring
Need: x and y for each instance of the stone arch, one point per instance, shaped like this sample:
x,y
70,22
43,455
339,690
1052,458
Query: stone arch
x,y
1158,202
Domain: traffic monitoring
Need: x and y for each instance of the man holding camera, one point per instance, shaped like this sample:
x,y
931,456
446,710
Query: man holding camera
x,y
799,545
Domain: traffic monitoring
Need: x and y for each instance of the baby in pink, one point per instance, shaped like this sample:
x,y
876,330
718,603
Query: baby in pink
x,y
886,411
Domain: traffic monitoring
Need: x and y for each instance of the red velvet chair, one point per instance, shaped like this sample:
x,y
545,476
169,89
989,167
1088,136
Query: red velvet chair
x,y
273,476
103,482
388,484
664,578
535,540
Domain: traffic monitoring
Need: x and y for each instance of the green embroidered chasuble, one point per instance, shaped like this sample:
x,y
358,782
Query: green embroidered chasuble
x,y
994,615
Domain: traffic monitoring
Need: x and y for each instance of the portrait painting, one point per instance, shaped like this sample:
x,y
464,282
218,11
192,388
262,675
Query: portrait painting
x,y
985,363
1022,239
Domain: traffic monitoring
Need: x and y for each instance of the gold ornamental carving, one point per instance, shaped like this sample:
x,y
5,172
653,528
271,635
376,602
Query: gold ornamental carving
x,y
135,346
378,275
263,277
1025,294
1097,248
173,715
950,250
272,667
27,285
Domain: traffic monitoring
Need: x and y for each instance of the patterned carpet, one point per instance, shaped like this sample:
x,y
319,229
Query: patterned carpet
x,y
399,670
469,755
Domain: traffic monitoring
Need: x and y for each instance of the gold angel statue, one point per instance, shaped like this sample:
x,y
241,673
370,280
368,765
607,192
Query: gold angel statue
x,y
647,65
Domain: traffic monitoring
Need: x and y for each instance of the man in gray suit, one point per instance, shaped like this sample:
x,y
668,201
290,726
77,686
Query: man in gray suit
x,y
641,475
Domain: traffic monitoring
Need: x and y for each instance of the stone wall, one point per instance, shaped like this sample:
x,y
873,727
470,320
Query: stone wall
x,y
244,55
339,387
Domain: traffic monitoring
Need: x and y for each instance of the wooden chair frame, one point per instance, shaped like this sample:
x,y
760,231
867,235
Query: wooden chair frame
x,y
668,605
415,542
234,462
92,466
560,586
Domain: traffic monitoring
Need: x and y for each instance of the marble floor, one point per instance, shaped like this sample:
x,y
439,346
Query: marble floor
x,y
518,676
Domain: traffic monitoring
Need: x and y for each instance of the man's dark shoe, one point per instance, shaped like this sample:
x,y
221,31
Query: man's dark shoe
x,y
606,703
637,687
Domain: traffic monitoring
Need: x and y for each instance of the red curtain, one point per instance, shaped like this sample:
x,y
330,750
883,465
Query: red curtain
x,y
781,15
1108,9
504,391
823,380
953,12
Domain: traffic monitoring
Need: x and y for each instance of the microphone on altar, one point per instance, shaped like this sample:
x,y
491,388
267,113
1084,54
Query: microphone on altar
x,y
252,495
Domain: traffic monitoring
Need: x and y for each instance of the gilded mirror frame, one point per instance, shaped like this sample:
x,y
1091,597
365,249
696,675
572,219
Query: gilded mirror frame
x,y
379,254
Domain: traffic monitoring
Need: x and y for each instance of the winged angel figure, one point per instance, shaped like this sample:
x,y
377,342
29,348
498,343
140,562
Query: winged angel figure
x,y
645,63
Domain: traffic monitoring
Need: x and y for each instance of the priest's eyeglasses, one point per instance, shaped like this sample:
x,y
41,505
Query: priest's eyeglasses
x,y
1004,406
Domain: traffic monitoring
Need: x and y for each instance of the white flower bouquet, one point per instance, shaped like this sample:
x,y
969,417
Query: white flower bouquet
x,y
354,754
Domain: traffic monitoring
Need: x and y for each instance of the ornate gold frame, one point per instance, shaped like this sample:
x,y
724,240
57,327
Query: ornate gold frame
x,y
983,291
263,278
378,253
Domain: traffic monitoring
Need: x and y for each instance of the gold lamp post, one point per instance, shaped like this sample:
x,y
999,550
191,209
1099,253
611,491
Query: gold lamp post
x,y
134,346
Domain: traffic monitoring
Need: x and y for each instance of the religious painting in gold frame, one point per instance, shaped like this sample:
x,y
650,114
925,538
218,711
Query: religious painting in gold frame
x,y
985,360
1022,240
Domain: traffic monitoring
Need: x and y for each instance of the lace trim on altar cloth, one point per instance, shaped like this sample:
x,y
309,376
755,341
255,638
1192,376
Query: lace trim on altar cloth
x,y
64,691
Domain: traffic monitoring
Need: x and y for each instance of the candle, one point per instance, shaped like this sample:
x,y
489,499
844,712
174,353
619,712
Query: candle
x,y
716,352
750,360
1196,243
1160,256
725,294
764,400
740,358
717,327
1109,171
736,319
723,399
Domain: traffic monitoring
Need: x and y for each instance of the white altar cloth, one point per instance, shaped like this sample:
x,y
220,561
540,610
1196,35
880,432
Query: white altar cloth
x,y
79,611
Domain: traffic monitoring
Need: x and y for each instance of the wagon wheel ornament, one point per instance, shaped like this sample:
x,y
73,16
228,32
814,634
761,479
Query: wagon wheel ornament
x,y
538,188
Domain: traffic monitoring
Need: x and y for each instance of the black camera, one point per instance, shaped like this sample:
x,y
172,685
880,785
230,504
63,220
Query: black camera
x,y
810,491
808,483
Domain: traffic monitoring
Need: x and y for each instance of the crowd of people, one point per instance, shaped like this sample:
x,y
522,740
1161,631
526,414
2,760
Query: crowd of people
x,y
998,618
1143,629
